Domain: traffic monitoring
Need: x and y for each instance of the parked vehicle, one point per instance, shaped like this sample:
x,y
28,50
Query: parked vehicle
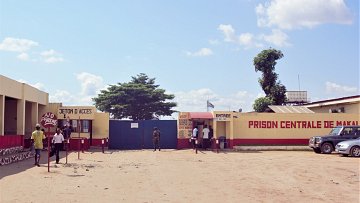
x,y
349,147
326,144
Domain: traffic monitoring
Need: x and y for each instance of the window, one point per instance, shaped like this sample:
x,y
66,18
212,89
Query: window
x,y
85,126
74,124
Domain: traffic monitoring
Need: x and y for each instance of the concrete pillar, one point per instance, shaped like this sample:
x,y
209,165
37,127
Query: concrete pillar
x,y
231,123
215,128
20,117
2,114
34,114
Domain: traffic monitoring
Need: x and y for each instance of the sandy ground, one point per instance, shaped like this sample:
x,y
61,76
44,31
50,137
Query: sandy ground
x,y
183,176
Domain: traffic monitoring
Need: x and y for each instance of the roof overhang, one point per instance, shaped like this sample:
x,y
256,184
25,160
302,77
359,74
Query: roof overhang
x,y
201,115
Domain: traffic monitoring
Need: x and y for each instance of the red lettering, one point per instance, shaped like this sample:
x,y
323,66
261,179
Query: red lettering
x,y
251,123
318,124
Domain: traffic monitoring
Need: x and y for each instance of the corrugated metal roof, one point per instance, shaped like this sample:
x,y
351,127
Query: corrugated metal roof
x,y
343,100
290,109
204,115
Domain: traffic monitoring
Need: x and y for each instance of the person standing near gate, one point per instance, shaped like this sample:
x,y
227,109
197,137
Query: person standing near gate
x,y
194,136
66,133
206,133
58,139
156,138
37,137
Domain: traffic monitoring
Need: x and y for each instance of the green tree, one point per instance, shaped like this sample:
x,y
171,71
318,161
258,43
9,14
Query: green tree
x,y
262,103
139,99
265,62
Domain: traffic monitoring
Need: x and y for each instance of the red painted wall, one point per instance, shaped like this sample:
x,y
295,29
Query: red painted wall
x,y
185,144
98,142
8,141
75,144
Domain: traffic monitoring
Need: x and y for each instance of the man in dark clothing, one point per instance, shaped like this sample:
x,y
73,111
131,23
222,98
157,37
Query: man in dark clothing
x,y
156,138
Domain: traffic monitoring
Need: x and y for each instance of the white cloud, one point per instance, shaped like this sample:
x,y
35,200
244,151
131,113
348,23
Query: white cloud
x,y
277,37
23,56
290,14
340,89
16,44
53,59
62,96
51,56
249,40
48,53
214,41
246,39
90,87
201,52
90,83
229,33
195,100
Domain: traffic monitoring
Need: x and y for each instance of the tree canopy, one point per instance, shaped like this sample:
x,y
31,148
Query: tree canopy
x,y
139,99
265,62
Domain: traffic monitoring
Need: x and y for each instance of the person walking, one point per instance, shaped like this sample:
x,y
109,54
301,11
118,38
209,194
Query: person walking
x,y
194,136
37,139
58,140
156,138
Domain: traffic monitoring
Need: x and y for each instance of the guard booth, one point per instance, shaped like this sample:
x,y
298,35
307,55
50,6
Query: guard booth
x,y
187,122
86,124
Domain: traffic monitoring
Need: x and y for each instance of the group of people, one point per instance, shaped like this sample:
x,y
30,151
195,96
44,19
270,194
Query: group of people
x,y
204,140
59,137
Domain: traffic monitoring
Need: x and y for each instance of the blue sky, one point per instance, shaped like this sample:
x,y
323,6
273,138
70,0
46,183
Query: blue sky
x,y
197,50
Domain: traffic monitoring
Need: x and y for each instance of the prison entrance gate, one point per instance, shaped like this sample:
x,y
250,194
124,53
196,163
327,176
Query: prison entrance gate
x,y
138,134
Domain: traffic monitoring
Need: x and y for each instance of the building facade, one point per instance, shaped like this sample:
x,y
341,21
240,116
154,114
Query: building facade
x,y
22,106
262,128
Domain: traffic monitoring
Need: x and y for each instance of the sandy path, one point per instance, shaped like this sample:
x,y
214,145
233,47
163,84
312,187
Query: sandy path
x,y
183,176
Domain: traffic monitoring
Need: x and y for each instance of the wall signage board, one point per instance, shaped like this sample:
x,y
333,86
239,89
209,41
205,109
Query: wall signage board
x,y
134,125
74,112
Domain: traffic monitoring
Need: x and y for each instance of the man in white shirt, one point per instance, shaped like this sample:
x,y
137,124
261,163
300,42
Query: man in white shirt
x,y
205,132
57,140
194,136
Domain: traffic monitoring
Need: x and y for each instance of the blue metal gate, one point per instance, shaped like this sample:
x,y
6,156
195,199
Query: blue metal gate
x,y
138,134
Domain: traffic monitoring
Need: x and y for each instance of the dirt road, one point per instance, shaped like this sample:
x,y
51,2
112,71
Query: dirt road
x,y
183,176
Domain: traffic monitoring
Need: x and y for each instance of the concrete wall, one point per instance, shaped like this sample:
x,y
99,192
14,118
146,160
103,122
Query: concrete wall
x,y
19,106
101,126
288,126
34,95
10,88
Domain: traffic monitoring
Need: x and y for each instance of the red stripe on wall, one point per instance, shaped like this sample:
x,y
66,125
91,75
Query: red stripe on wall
x,y
98,142
269,142
184,143
8,141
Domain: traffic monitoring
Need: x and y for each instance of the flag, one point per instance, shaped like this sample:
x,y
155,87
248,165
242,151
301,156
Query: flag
x,y
208,104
